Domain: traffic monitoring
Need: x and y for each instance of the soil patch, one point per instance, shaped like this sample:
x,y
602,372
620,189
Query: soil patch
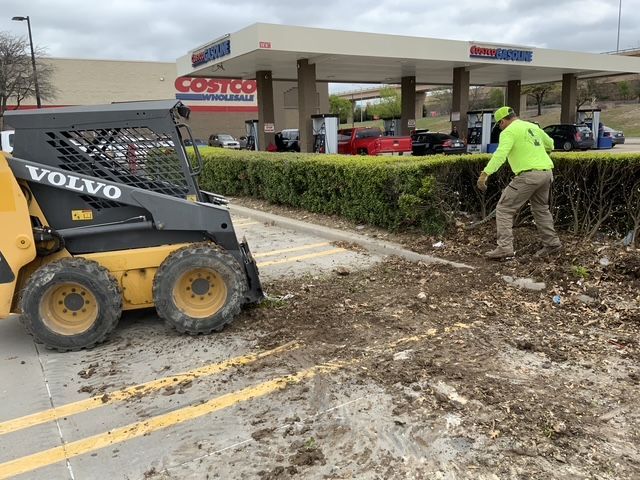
x,y
514,382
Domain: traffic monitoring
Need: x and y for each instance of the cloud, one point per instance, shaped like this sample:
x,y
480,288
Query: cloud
x,y
166,29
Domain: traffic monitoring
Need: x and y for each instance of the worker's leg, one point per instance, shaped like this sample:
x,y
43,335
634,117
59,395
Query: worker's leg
x,y
513,197
540,209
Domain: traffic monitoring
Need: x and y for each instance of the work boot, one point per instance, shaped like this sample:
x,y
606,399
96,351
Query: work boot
x,y
499,253
546,251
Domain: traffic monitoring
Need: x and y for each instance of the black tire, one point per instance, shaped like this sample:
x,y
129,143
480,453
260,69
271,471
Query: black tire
x,y
173,292
84,279
567,146
363,151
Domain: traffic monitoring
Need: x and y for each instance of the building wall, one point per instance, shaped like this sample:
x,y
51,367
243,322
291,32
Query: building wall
x,y
91,82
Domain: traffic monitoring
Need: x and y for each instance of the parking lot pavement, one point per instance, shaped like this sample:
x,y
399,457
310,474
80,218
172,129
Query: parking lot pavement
x,y
150,396
281,252
158,389
631,144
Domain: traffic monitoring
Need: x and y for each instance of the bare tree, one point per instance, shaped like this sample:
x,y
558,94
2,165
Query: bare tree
x,y
16,74
588,91
538,93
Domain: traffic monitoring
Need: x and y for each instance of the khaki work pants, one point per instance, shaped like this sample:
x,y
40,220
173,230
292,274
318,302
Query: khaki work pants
x,y
533,186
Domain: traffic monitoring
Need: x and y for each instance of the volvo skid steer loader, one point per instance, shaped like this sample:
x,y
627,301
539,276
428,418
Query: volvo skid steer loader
x,y
100,212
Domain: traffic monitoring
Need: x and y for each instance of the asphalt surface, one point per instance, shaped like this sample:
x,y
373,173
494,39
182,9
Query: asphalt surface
x,y
94,414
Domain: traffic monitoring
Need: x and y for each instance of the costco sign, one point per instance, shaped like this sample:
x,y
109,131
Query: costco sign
x,y
224,92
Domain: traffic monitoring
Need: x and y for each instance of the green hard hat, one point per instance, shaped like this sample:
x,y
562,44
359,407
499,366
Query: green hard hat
x,y
502,112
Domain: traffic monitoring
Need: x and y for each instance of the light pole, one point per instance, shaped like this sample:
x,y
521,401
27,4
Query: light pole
x,y
33,58
619,16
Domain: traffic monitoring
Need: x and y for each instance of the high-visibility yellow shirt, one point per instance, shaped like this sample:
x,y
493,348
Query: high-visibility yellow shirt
x,y
525,145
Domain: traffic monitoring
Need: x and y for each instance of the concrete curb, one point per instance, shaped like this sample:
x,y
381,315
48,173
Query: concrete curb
x,y
373,245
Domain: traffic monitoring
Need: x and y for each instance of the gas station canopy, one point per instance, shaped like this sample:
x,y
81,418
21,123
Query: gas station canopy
x,y
355,57
309,55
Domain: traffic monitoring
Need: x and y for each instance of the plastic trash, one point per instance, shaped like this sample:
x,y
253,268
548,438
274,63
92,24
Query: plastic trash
x,y
438,244
557,299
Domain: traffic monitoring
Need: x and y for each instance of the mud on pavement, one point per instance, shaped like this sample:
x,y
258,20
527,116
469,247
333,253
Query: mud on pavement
x,y
395,371
461,376
453,374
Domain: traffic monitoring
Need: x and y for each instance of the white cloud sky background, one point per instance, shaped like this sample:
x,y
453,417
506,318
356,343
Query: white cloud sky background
x,y
163,30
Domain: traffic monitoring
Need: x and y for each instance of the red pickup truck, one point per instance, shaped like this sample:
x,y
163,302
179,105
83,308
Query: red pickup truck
x,y
370,141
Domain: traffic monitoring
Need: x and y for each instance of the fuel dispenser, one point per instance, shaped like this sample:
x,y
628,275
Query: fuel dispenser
x,y
391,127
325,133
480,127
591,118
251,127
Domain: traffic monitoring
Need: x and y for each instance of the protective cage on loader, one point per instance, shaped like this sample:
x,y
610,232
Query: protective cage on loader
x,y
101,212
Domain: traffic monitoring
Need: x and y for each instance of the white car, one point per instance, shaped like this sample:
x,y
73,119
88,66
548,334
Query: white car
x,y
223,140
6,140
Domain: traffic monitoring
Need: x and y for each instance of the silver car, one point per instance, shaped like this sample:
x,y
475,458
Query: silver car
x,y
223,140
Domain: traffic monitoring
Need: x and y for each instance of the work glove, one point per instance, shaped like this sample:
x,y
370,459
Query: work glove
x,y
482,182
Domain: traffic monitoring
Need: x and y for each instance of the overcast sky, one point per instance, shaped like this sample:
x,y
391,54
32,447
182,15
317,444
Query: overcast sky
x,y
164,30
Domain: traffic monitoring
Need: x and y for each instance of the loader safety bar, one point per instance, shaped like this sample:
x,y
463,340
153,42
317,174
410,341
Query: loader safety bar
x,y
194,171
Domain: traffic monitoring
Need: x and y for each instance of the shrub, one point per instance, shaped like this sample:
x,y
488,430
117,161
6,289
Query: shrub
x,y
592,192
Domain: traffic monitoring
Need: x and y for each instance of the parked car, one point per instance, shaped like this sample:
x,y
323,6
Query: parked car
x,y
198,141
223,140
569,137
431,143
288,140
243,142
370,141
617,137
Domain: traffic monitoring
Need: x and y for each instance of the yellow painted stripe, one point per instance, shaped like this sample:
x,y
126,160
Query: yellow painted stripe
x,y
292,249
135,391
302,257
138,429
432,332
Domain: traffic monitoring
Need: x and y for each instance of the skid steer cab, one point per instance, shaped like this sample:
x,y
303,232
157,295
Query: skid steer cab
x,y
101,212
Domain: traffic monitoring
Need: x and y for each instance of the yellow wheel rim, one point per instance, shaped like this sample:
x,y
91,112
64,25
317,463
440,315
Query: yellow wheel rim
x,y
68,308
200,293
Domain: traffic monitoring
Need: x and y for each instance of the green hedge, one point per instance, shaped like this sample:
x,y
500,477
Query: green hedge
x,y
593,191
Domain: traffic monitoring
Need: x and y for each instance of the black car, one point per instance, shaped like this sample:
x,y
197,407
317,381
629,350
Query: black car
x,y
288,140
569,137
432,143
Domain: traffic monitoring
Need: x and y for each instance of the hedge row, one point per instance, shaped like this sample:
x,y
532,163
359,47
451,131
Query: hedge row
x,y
592,192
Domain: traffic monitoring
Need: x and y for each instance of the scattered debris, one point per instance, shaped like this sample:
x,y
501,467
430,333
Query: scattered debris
x,y
526,283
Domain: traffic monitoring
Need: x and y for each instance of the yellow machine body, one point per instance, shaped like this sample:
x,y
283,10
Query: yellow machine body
x,y
134,269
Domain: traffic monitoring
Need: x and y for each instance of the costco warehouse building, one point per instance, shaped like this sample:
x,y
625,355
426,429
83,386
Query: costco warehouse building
x,y
217,105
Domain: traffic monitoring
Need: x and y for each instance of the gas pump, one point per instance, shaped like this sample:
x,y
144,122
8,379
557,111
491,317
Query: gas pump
x,y
251,127
391,127
479,128
591,118
325,133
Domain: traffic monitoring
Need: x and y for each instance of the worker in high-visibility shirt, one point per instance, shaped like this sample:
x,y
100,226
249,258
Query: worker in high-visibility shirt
x,y
525,145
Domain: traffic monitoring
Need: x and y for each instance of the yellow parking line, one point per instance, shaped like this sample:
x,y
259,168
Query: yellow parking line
x,y
138,429
292,249
302,257
135,391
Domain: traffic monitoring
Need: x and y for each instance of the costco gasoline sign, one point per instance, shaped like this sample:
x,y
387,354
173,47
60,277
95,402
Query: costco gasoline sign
x,y
506,54
210,53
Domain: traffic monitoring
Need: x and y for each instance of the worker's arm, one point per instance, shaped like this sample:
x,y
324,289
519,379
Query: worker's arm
x,y
500,155
547,140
